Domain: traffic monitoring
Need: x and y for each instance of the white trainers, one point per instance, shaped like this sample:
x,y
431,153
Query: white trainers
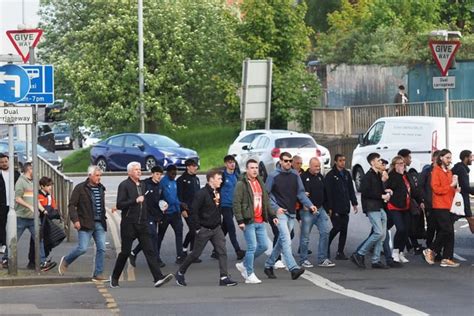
x,y
307,264
327,264
3,248
252,279
396,255
240,266
279,265
402,258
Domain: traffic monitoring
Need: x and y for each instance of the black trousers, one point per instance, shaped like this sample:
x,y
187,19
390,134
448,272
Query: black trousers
x,y
228,226
340,222
190,236
445,234
176,223
129,232
431,227
3,224
154,239
217,238
401,220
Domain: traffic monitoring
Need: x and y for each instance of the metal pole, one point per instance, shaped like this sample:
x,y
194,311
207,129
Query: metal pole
x,y
446,107
140,64
269,93
11,217
243,99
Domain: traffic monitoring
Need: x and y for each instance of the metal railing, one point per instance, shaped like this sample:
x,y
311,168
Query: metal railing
x,y
62,189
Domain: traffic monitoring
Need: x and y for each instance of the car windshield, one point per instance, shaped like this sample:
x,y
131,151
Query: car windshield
x,y
159,141
295,142
20,147
61,129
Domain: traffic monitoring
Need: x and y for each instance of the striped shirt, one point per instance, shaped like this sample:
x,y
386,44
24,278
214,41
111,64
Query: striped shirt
x,y
97,201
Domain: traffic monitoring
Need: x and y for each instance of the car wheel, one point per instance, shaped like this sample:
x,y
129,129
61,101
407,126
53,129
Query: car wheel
x,y
102,164
262,172
150,163
358,174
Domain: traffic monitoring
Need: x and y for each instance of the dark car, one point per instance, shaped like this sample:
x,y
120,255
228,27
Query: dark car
x,y
115,152
63,136
46,137
20,153
56,111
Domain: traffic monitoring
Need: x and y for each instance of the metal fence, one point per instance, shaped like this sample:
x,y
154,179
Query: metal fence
x,y
62,189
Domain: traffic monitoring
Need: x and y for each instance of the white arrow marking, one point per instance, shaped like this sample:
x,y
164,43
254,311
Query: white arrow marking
x,y
14,78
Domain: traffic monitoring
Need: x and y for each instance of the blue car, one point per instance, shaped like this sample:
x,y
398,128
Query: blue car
x,y
115,152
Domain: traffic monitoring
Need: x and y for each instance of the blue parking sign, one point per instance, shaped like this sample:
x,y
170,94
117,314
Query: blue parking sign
x,y
14,83
42,84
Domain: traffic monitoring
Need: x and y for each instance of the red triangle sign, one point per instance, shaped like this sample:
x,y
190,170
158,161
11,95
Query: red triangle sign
x,y
443,53
22,40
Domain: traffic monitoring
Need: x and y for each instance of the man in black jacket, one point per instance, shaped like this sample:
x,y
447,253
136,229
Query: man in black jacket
x,y
373,199
155,213
131,200
461,169
206,219
340,196
87,213
4,198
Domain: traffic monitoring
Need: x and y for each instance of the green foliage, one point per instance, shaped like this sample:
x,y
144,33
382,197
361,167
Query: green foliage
x,y
78,161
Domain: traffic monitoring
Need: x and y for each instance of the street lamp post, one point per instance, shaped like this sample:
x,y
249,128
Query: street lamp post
x,y
140,65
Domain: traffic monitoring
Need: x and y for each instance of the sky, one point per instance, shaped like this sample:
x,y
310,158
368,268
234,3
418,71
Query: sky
x,y
11,15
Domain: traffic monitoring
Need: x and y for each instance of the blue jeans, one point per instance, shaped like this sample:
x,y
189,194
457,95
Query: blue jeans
x,y
286,222
320,220
21,225
256,238
84,236
378,219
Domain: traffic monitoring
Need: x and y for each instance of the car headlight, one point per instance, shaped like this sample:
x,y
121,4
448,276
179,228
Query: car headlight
x,y
60,159
67,139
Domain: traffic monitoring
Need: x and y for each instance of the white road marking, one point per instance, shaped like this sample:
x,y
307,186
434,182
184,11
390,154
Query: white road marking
x,y
333,287
458,257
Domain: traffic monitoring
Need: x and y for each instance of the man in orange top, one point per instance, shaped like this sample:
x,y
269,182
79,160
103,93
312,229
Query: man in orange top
x,y
443,185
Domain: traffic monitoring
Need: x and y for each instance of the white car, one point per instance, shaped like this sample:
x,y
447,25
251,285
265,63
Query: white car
x,y
92,139
266,149
244,139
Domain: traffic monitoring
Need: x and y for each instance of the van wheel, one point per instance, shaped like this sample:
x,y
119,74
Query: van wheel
x,y
358,174
263,172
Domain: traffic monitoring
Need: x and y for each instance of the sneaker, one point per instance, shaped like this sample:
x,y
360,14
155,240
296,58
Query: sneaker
x,y
252,279
133,260
403,259
396,255
240,254
296,273
99,278
341,256
419,250
243,271
165,279
449,263
327,264
46,266
269,273
179,260
5,263
214,255
197,260
62,268
307,264
113,283
3,248
394,264
429,255
226,281
180,279
31,266
379,265
358,260
279,265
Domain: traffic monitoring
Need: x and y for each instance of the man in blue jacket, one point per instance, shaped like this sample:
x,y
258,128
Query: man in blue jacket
x,y
172,216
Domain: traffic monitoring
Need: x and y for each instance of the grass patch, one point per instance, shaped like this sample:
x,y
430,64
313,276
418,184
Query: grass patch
x,y
78,161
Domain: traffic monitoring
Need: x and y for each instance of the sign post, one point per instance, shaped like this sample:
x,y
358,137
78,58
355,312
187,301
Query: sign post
x,y
443,53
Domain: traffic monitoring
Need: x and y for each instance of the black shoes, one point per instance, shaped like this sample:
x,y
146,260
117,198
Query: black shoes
x,y
295,273
179,260
269,273
114,283
394,264
133,260
358,260
226,281
165,279
341,256
214,255
31,266
48,265
197,260
180,279
240,254
161,263
379,265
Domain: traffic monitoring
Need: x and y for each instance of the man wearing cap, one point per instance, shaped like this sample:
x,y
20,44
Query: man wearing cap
x,y
188,185
229,180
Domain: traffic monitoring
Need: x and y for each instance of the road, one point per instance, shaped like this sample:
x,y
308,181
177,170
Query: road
x,y
415,289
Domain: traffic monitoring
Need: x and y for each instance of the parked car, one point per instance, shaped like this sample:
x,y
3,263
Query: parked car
x,y
63,135
20,153
266,149
244,139
115,152
92,138
46,137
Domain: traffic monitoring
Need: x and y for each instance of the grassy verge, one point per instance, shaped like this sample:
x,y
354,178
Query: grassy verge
x,y
78,161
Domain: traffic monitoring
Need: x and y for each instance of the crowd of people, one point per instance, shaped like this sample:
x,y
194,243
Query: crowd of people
x,y
392,195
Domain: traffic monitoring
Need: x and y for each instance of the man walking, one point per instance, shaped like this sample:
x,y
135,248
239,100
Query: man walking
x,y
131,200
285,188
87,213
313,182
252,209
340,196
461,169
206,218
4,198
373,198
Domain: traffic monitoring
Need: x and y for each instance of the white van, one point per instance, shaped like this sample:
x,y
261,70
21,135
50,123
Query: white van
x,y
420,134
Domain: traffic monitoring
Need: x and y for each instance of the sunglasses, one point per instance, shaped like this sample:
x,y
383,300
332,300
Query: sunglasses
x,y
287,160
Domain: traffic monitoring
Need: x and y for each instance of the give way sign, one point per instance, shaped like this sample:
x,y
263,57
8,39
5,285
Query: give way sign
x,y
443,53
22,40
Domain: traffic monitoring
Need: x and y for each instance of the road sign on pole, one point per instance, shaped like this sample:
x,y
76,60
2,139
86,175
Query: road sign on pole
x,y
14,83
22,40
443,53
16,115
41,84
